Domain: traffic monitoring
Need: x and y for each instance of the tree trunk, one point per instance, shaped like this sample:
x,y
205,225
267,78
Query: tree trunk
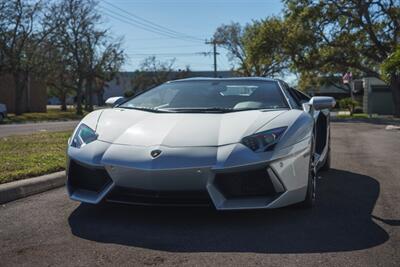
x,y
395,87
89,92
100,95
86,93
63,99
350,90
79,110
19,83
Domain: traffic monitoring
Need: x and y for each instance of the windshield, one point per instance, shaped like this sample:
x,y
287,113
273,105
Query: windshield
x,y
210,96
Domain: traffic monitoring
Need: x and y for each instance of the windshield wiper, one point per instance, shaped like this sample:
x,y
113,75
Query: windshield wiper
x,y
148,109
215,109
200,110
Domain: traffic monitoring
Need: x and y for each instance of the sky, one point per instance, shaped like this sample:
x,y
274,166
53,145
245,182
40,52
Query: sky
x,y
139,22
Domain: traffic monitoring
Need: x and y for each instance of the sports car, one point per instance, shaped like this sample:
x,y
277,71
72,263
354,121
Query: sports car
x,y
232,143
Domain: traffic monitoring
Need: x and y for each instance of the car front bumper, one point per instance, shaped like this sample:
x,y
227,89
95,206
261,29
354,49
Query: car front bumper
x,y
228,177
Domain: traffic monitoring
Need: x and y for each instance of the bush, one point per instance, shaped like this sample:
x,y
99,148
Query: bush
x,y
128,93
349,104
358,110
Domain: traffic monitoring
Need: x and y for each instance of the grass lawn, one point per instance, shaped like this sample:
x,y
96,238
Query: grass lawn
x,y
50,115
355,116
27,156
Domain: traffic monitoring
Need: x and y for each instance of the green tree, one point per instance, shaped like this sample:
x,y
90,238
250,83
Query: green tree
x,y
22,36
230,37
153,72
257,48
263,42
58,77
77,19
103,57
333,37
88,51
349,104
391,69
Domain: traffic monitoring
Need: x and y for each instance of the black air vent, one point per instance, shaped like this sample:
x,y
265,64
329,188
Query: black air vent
x,y
91,179
252,183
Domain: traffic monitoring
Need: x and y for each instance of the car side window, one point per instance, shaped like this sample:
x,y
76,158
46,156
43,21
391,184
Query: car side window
x,y
298,97
292,97
302,98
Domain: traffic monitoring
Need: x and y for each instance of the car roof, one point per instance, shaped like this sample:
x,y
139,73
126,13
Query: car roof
x,y
226,79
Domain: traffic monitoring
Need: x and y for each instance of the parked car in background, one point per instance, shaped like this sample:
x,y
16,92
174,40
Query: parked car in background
x,y
3,112
238,143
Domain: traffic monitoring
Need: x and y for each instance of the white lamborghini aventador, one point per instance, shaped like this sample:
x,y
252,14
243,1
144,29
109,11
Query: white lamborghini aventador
x,y
237,143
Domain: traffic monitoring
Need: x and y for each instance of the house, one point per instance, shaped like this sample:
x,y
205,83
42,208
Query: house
x,y
378,98
373,94
336,91
34,98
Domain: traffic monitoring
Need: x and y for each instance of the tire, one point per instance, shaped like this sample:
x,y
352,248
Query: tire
x,y
1,117
327,163
309,201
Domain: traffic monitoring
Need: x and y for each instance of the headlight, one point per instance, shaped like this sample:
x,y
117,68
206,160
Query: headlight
x,y
263,141
83,136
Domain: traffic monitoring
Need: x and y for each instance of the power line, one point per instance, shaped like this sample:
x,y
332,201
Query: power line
x,y
157,54
138,23
165,54
117,16
146,29
165,47
151,24
148,39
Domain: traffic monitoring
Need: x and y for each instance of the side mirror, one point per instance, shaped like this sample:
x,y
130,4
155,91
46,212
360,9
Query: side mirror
x,y
320,102
113,101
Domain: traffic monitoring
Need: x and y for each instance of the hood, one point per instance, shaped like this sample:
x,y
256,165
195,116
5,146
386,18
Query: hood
x,y
141,128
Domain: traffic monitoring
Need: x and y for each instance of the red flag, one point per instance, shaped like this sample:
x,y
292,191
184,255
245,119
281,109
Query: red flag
x,y
347,77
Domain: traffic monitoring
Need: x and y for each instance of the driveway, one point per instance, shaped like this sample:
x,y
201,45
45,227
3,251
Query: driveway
x,y
28,128
355,223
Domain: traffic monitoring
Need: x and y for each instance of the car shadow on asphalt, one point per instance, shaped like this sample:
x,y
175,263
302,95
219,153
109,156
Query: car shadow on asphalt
x,y
341,221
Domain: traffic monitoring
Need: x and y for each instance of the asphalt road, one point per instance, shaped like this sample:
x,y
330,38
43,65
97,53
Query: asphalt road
x,y
355,223
28,128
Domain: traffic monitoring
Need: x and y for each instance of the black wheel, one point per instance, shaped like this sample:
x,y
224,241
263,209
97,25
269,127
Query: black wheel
x,y
309,201
327,163
1,117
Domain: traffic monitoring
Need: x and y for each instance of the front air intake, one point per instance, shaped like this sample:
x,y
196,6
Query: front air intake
x,y
87,178
253,183
168,198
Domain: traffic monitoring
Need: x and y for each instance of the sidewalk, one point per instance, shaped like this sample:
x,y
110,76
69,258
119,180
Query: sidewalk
x,y
28,128
376,119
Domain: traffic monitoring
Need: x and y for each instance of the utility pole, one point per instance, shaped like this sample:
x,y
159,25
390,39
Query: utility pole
x,y
215,59
214,43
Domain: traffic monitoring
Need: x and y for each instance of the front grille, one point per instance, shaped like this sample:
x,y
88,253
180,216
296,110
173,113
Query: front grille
x,y
252,183
140,196
91,179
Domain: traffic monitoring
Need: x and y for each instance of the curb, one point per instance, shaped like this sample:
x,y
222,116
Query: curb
x,y
365,120
23,188
393,128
